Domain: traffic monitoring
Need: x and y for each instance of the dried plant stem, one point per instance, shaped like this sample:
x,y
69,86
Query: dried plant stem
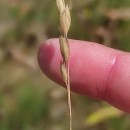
x,y
65,21
69,99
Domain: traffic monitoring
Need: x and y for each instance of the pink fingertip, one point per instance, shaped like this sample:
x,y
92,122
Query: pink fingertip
x,y
95,70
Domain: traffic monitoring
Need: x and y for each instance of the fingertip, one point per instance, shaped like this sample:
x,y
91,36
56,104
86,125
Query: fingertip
x,y
49,58
46,52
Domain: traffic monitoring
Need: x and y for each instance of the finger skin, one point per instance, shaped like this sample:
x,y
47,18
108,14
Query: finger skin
x,y
95,70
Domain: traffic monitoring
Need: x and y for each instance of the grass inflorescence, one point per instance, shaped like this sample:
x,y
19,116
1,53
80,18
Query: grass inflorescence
x,y
65,21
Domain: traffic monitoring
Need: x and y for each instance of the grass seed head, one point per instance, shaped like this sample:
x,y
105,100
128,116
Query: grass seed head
x,y
65,21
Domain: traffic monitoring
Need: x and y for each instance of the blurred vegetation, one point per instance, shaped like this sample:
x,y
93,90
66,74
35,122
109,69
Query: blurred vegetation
x,y
30,101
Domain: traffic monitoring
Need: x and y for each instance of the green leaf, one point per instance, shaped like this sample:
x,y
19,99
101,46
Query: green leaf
x,y
103,114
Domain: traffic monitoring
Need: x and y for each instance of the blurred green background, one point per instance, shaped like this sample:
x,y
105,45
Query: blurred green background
x,y
28,99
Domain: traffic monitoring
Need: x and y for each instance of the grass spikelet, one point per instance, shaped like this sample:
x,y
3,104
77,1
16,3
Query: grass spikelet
x,y
64,72
64,48
65,20
60,5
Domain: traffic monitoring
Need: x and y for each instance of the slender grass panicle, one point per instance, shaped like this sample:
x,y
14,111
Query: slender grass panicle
x,y
65,21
